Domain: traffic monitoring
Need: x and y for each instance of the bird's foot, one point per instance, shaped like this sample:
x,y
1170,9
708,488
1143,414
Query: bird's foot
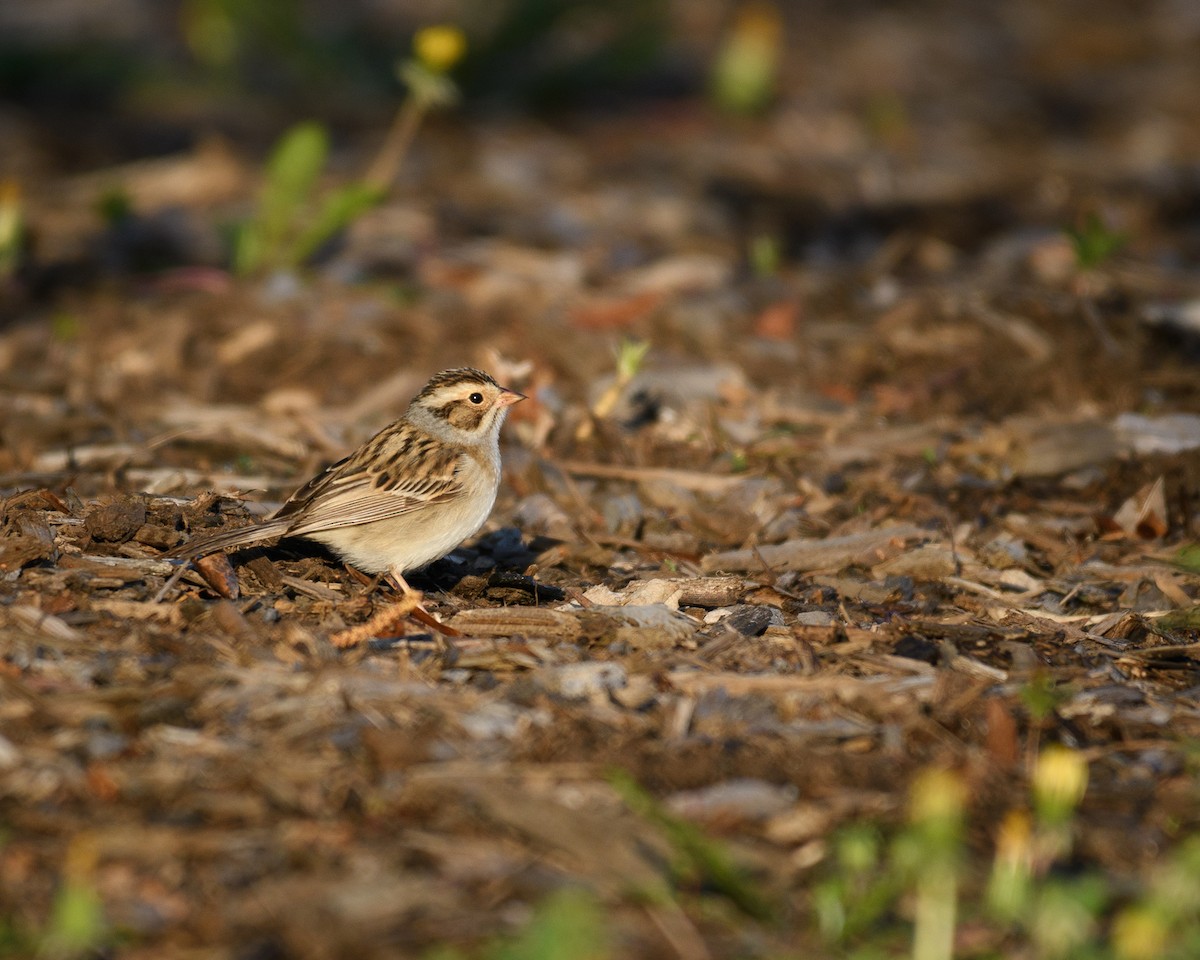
x,y
419,613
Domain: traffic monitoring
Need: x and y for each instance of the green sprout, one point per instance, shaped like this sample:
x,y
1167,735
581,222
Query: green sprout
x,y
114,206
747,65
698,855
64,326
1042,695
1010,888
631,355
12,227
766,255
567,925
936,806
860,891
1093,242
77,924
289,226
1187,558
1185,618
887,118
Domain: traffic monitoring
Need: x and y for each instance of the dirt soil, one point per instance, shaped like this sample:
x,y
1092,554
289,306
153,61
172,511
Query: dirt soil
x,y
896,457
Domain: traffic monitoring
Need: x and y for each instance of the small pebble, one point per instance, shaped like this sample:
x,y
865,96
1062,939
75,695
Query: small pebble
x,y
578,681
744,799
752,620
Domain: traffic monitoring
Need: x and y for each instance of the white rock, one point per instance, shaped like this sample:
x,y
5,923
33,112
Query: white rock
x,y
580,681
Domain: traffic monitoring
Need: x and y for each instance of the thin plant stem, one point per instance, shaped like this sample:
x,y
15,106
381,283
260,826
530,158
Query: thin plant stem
x,y
937,896
386,165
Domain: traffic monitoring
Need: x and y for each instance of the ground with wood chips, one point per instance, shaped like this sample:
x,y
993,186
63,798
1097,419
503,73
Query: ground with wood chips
x,y
910,493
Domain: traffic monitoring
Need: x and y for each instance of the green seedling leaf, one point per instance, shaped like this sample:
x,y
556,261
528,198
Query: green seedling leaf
x,y
292,174
566,926
1010,889
338,212
77,924
630,357
1187,558
1093,242
1186,619
699,853
12,226
65,327
249,250
1041,695
862,887
114,206
766,255
1064,915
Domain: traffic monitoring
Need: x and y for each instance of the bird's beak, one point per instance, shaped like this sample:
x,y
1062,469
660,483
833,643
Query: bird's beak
x,y
508,397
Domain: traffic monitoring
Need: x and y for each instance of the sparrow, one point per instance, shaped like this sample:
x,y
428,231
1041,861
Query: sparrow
x,y
409,495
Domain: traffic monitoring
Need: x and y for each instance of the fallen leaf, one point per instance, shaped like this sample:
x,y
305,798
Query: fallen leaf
x,y
778,321
219,574
1144,515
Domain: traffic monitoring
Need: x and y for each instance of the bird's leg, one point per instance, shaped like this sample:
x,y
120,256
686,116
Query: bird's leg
x,y
400,585
392,616
418,611
409,605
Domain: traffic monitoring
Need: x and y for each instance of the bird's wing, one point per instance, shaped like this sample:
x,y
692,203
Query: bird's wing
x,y
349,494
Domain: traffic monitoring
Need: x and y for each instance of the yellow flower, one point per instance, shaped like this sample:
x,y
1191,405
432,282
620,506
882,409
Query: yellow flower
x,y
1012,871
440,48
1014,846
937,796
10,215
1059,782
1139,934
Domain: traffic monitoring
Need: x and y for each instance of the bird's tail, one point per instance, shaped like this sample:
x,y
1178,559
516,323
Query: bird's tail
x,y
228,539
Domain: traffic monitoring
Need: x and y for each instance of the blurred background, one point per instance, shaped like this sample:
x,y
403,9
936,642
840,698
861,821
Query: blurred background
x,y
758,183
89,83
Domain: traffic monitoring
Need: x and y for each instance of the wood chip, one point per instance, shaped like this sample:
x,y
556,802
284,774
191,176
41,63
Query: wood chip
x,y
711,592
736,684
135,610
41,622
807,554
688,479
518,622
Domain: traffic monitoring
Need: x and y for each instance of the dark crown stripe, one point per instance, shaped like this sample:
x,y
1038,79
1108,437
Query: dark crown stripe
x,y
451,378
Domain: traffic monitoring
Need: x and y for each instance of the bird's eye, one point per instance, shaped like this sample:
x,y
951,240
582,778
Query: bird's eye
x,y
476,398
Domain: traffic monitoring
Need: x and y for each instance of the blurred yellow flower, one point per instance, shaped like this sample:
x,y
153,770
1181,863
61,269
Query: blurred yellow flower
x,y
1059,782
10,212
439,48
1014,841
937,796
747,65
1012,871
1139,934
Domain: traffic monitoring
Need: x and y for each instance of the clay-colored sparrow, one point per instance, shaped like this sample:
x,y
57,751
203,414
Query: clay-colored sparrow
x,y
407,496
